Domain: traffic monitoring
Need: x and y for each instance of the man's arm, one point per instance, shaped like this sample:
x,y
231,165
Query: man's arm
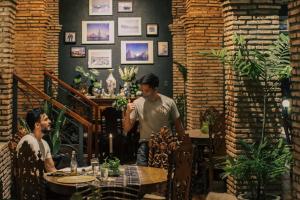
x,y
128,123
179,128
49,165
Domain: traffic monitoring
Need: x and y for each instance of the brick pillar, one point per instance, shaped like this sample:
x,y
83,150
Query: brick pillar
x,y
7,16
53,36
178,44
294,29
203,25
258,22
32,24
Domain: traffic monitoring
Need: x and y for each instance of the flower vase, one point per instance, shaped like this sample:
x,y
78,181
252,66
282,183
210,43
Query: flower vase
x,y
127,88
111,83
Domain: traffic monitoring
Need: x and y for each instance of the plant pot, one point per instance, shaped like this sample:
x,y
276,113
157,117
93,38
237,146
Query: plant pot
x,y
246,196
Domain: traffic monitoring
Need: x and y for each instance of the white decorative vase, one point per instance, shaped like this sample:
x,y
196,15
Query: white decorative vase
x,y
111,83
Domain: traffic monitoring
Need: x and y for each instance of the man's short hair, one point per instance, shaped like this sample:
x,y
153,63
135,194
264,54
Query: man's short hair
x,y
33,116
149,79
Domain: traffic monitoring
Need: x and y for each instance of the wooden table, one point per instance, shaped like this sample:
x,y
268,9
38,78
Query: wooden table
x,y
150,179
197,134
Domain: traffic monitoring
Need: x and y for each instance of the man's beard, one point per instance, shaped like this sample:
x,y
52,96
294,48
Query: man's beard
x,y
46,130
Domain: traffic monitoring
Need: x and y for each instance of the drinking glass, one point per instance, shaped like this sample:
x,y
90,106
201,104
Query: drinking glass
x,y
104,173
95,166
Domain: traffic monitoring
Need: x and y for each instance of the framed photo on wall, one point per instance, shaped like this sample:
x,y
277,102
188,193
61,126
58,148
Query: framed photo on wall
x,y
100,58
125,6
98,32
78,52
70,37
136,52
100,7
162,48
152,29
129,26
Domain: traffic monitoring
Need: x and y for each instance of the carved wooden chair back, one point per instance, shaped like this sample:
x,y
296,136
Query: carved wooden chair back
x,y
161,145
28,170
183,160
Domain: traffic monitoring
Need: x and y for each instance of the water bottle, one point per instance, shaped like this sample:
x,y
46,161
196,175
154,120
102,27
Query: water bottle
x,y
73,164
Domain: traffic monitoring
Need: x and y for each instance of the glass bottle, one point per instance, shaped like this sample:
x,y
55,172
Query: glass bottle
x,y
73,164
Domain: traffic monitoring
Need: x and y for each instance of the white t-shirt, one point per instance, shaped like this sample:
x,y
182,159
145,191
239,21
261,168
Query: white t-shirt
x,y
36,146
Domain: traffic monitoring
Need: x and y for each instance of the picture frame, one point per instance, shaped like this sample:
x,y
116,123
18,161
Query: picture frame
x,y
152,29
100,7
98,32
137,52
78,52
70,37
162,48
100,58
129,26
125,6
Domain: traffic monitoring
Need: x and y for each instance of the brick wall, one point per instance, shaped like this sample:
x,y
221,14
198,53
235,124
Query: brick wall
x,y
258,22
294,20
29,34
198,27
36,44
178,45
7,16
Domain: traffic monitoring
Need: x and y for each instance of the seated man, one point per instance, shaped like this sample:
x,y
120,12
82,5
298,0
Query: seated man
x,y
153,111
39,123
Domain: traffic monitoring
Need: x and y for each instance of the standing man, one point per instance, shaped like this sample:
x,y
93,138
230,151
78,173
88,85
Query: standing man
x,y
39,123
153,111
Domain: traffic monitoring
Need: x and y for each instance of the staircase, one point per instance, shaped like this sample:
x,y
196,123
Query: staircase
x,y
79,131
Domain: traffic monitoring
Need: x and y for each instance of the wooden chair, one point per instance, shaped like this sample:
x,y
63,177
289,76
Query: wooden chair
x,y
161,146
28,171
116,192
179,173
181,180
216,148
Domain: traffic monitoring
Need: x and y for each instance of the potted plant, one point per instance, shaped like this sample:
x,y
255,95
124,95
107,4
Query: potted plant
x,y
113,165
266,159
81,80
128,75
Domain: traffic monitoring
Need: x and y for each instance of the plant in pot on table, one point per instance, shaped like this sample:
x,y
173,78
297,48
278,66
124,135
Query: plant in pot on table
x,y
267,159
112,165
80,81
128,75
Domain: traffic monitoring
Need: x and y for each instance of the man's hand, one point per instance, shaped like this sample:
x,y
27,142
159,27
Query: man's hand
x,y
130,107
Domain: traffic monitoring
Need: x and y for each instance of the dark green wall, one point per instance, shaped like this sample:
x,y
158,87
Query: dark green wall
x,y
73,12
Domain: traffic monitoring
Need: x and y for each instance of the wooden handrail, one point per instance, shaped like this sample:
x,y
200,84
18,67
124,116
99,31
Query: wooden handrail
x,y
69,112
71,89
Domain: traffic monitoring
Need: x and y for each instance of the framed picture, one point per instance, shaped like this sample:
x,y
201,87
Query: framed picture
x,y
152,29
129,26
125,6
78,52
70,37
99,58
136,52
100,7
98,32
162,48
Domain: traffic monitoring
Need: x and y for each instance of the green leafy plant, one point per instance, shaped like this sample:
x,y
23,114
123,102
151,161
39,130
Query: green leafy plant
x,y
58,123
262,163
112,164
81,79
120,103
266,159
